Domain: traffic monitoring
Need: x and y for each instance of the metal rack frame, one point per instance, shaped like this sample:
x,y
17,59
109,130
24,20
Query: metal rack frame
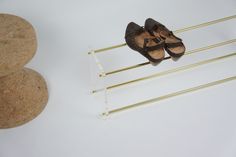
x,y
104,74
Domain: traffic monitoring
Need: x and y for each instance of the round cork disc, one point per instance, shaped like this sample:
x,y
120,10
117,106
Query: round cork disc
x,y
23,95
18,43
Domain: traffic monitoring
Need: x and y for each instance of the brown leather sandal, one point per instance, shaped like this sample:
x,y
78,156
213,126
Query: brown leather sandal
x,y
138,39
173,45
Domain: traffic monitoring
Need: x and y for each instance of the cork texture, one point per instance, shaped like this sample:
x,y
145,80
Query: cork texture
x,y
18,43
23,95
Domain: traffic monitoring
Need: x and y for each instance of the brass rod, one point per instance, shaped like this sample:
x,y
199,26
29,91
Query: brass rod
x,y
127,68
190,66
178,93
108,48
173,70
205,24
176,32
166,58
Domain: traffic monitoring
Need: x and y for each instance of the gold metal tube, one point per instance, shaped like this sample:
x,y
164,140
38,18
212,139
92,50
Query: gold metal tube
x,y
205,24
176,32
190,66
108,48
174,70
166,58
189,90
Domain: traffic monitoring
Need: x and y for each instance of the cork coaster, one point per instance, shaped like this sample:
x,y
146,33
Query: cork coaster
x,y
23,95
18,43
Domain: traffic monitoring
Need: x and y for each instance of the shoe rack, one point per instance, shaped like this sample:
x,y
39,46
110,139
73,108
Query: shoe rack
x,y
101,78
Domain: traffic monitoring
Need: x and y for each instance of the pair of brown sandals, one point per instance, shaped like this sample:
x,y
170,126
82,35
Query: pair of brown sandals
x,y
152,40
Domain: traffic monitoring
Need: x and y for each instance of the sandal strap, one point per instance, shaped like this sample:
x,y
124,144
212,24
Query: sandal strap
x,y
172,34
163,28
172,45
159,45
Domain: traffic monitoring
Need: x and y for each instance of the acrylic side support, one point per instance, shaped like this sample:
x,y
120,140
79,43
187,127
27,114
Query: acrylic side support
x,y
98,78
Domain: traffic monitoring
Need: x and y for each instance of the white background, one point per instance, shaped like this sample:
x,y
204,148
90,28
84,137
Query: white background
x,y
201,124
